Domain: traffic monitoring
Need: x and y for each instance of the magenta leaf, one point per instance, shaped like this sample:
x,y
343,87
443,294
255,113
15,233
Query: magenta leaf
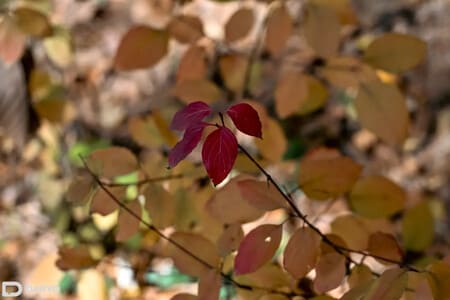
x,y
190,140
219,153
246,119
191,114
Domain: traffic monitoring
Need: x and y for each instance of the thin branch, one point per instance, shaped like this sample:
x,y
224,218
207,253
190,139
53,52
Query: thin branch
x,y
143,181
151,227
339,249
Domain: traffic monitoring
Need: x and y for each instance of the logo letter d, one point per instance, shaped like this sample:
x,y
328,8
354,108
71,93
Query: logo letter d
x,y
15,284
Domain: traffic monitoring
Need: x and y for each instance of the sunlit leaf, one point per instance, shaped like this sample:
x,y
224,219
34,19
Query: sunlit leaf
x,y
266,240
395,52
239,25
322,178
385,245
418,227
219,154
59,48
321,29
352,230
230,239
291,93
381,108
112,161
279,28
141,47
389,286
302,252
192,90
186,28
330,272
376,197
224,202
198,246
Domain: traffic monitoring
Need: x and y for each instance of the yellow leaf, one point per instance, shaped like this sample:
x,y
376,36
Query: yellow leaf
x,y
192,90
352,230
321,29
274,144
317,95
59,48
32,22
141,47
418,227
395,52
233,71
438,276
91,285
377,197
279,29
291,93
381,108
239,25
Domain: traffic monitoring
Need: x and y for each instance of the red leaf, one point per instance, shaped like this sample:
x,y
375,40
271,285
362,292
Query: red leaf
x,y
219,153
246,119
257,248
190,115
190,140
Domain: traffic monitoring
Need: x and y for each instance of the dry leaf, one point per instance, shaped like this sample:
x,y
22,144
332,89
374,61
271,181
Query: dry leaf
x,y
279,28
291,93
239,25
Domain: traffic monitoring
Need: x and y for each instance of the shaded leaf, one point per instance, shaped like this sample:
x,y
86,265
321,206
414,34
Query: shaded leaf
x,y
198,246
112,161
224,202
381,108
330,272
261,194
183,148
321,29
128,224
80,189
323,178
279,28
219,153
102,202
141,47
385,245
192,90
230,239
291,93
189,115
257,248
32,22
209,285
160,205
186,28
395,52
389,286
358,292
246,119
239,25
301,252
418,227
75,258
376,197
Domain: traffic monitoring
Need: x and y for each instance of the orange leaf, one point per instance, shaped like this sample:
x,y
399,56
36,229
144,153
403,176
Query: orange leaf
x,y
384,245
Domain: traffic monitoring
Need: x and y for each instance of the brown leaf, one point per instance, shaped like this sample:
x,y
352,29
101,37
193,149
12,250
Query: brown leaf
x,y
74,258
80,189
274,143
198,246
209,285
160,205
186,29
291,93
239,25
325,178
395,52
385,245
102,202
389,286
128,224
141,47
230,239
193,65
261,194
112,161
233,71
321,29
330,272
184,296
381,108
279,28
192,90
12,41
376,197
224,202
301,252
265,239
